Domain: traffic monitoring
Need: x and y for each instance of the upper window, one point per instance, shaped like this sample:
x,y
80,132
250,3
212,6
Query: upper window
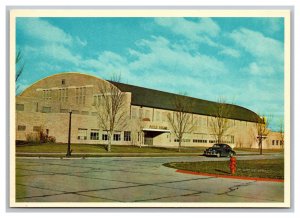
x,y
63,94
97,100
84,112
47,94
134,113
80,95
157,116
63,110
46,110
20,107
63,81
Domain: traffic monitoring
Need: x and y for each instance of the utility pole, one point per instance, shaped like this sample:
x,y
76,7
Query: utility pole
x,y
69,136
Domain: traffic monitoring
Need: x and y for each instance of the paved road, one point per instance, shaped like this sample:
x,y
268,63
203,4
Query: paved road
x,y
133,179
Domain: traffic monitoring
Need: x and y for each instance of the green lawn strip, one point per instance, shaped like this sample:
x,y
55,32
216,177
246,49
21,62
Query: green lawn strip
x,y
272,168
84,148
256,150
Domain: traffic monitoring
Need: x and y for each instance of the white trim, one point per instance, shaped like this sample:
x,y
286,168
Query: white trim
x,y
157,130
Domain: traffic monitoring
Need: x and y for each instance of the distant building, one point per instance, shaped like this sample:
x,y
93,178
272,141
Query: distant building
x,y
45,106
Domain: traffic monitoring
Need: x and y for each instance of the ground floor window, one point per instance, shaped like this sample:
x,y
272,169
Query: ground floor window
x,y
273,142
117,137
82,134
127,136
199,140
21,128
20,107
183,140
94,134
104,137
232,139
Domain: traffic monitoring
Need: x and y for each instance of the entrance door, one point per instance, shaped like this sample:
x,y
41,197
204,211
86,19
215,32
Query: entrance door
x,y
148,141
148,138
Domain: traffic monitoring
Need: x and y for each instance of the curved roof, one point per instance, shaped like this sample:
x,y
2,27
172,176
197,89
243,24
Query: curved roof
x,y
55,80
144,96
164,100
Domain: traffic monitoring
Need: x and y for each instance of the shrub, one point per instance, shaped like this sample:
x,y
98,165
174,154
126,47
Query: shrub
x,y
40,137
51,139
33,138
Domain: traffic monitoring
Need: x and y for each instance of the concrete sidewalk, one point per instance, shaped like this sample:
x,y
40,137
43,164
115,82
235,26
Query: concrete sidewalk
x,y
112,154
131,179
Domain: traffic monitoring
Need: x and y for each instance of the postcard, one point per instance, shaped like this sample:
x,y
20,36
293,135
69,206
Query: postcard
x,y
150,108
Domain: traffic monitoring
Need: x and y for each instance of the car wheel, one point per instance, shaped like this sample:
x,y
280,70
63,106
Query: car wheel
x,y
218,154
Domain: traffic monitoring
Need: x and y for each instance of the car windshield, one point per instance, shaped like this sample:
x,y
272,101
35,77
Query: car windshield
x,y
216,146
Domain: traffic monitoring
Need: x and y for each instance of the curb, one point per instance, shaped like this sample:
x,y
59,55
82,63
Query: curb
x,y
87,155
230,177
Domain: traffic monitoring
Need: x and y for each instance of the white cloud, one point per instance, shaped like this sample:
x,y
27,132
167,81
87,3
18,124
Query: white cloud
x,y
43,30
272,25
60,53
200,30
267,53
81,42
230,52
255,68
258,45
162,54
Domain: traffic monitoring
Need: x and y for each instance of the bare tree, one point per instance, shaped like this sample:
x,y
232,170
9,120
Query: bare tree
x,y
220,124
261,126
181,121
281,131
19,66
138,127
141,125
111,109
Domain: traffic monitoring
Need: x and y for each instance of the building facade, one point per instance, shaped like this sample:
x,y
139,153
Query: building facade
x,y
45,106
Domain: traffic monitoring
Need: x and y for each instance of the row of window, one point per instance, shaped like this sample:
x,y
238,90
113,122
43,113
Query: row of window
x,y
63,94
183,140
277,142
203,141
142,113
23,128
20,107
94,135
199,141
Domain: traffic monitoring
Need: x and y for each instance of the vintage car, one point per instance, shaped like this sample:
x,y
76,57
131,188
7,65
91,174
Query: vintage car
x,y
219,150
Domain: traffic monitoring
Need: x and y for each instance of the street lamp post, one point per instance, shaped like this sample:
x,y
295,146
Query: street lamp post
x,y
69,136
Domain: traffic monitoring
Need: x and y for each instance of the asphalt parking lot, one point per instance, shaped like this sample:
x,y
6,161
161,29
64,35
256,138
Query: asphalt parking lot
x,y
133,179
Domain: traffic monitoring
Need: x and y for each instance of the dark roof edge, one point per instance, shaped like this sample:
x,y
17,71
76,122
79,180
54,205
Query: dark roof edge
x,y
251,115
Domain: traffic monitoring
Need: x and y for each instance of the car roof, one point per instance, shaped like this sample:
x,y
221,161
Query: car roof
x,y
221,144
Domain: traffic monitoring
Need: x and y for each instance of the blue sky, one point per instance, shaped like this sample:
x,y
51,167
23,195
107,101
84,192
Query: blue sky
x,y
240,59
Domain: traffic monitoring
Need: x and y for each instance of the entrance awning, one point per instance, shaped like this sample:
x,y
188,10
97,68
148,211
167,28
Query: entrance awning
x,y
156,130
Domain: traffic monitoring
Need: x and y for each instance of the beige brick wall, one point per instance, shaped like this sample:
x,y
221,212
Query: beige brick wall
x,y
36,100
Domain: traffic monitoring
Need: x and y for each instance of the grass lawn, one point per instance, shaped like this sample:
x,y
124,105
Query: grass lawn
x,y
257,150
273,168
82,148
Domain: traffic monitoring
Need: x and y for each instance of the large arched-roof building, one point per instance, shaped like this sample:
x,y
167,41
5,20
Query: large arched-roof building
x,y
46,103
